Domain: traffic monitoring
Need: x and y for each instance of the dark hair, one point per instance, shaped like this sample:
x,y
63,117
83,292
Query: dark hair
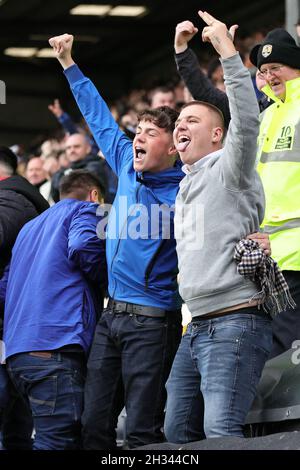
x,y
163,117
162,89
9,158
78,183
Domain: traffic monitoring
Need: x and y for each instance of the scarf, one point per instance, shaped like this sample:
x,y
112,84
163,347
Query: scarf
x,y
255,265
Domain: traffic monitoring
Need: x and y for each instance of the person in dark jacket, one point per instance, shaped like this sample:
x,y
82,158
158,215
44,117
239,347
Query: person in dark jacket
x,y
57,269
78,152
19,203
198,84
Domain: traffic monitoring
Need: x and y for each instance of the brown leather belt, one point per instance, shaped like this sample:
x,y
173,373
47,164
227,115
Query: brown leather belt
x,y
44,354
208,316
126,307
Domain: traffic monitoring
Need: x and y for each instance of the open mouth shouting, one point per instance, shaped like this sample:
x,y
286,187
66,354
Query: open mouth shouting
x,y
183,142
139,154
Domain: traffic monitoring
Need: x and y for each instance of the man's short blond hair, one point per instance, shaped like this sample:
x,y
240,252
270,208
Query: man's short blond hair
x,y
217,112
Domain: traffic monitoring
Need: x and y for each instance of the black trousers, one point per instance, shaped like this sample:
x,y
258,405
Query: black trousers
x,y
286,325
129,363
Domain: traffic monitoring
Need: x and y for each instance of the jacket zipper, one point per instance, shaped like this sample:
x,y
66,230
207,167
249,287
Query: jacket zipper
x,y
119,241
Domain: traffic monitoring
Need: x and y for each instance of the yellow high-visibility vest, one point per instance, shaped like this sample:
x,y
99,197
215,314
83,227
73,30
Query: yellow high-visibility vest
x,y
279,169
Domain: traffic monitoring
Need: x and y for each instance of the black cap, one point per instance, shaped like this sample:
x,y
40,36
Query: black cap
x,y
278,46
9,157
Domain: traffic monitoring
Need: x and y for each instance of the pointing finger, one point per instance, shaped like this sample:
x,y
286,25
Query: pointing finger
x,y
207,18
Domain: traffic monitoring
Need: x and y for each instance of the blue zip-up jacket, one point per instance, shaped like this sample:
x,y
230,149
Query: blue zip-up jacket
x,y
142,267
57,261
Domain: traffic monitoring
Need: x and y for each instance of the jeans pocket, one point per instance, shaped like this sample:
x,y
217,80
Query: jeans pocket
x,y
262,336
149,322
42,394
228,332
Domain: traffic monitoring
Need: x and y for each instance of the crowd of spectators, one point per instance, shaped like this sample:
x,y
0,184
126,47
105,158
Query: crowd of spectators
x,y
115,151
50,154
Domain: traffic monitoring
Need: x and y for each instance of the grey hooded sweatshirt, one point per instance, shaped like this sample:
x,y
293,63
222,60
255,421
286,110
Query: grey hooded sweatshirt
x,y
220,201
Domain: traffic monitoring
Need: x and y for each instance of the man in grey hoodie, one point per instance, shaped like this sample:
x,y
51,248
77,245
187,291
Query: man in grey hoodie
x,y
219,362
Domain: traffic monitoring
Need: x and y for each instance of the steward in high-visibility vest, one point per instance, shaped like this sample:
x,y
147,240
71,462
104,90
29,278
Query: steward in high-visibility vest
x,y
278,59
279,169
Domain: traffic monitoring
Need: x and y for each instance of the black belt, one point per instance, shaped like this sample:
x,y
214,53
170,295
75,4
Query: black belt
x,y
126,307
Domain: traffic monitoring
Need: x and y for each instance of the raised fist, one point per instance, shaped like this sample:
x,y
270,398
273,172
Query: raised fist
x,y
62,46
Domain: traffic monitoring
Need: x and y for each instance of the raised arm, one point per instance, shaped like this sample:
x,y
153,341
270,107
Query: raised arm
x,y
63,118
68,124
188,67
238,159
116,147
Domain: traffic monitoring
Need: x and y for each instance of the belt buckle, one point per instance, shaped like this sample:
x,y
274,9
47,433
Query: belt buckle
x,y
112,305
130,308
121,309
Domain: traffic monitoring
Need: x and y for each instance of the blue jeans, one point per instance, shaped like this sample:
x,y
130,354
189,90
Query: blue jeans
x,y
214,376
129,364
53,389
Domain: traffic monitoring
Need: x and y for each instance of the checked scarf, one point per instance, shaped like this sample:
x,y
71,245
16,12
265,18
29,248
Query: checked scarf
x,y
255,265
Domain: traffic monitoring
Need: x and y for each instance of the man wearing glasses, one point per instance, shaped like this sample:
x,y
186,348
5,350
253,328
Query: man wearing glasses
x,y
278,62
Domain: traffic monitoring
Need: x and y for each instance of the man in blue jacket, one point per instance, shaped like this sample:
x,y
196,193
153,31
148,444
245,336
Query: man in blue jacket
x,y
51,293
137,336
